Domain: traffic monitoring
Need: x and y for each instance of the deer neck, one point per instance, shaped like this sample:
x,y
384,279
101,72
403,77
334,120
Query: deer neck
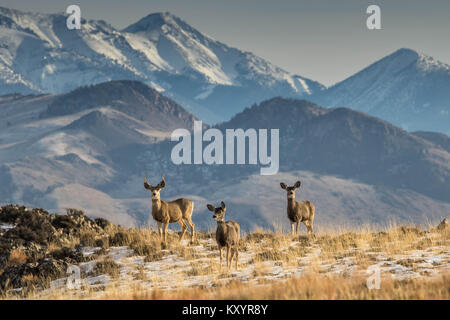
x,y
156,204
221,224
291,202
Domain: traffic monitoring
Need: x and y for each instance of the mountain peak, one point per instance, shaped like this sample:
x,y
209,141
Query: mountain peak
x,y
423,62
154,21
401,58
405,51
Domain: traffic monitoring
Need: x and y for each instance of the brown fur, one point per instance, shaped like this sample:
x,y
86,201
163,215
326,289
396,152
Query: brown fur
x,y
163,212
299,211
227,235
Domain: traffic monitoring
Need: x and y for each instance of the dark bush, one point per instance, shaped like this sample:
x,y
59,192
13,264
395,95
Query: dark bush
x,y
120,239
102,223
74,212
102,243
11,213
63,222
62,253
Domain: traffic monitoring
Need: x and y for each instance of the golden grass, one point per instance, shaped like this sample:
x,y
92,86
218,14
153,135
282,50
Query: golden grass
x,y
362,245
305,287
16,258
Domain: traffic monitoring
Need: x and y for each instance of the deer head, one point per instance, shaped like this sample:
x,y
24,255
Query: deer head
x,y
290,190
219,213
155,190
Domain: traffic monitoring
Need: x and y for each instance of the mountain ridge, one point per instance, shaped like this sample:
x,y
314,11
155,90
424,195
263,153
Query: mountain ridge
x,y
173,57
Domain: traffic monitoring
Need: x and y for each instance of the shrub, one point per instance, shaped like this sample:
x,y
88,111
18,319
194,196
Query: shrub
x,y
62,253
102,223
108,267
63,222
74,212
33,226
120,239
87,239
10,213
102,243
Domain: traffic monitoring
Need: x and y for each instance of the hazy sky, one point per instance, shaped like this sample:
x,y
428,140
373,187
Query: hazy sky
x,y
326,41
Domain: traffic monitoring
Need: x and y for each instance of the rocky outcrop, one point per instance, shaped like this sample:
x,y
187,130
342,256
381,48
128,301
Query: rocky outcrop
x,y
38,246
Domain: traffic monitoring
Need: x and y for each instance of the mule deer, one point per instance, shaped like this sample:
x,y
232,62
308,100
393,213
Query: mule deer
x,y
227,234
299,211
179,210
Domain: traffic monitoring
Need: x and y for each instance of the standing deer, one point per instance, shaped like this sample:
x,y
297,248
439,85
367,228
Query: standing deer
x,y
179,210
299,211
227,234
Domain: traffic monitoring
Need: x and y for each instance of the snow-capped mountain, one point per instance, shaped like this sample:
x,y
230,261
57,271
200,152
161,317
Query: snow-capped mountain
x,y
38,54
407,88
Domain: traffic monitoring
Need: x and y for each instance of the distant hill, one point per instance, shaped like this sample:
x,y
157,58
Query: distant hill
x,y
355,167
132,98
92,148
53,147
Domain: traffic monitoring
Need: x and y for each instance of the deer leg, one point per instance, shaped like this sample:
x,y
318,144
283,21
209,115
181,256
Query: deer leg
x,y
309,227
232,253
292,228
160,230
165,226
183,228
228,258
296,227
220,255
237,257
191,224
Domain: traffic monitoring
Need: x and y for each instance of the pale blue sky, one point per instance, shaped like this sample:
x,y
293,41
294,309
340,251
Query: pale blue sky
x,y
326,41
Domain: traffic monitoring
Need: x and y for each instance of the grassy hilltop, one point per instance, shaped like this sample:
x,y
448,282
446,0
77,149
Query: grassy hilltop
x,y
38,248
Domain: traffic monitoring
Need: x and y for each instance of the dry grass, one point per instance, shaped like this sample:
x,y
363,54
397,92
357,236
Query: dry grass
x,y
362,246
16,258
306,287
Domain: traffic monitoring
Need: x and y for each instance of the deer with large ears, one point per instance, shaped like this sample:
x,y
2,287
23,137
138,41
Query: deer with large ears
x,y
298,211
227,234
179,210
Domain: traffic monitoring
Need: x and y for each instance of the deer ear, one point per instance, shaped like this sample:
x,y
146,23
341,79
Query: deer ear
x,y
297,184
283,185
223,205
210,207
162,184
147,186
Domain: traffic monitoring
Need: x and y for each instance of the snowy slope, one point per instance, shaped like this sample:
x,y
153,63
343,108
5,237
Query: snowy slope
x,y
39,54
407,88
